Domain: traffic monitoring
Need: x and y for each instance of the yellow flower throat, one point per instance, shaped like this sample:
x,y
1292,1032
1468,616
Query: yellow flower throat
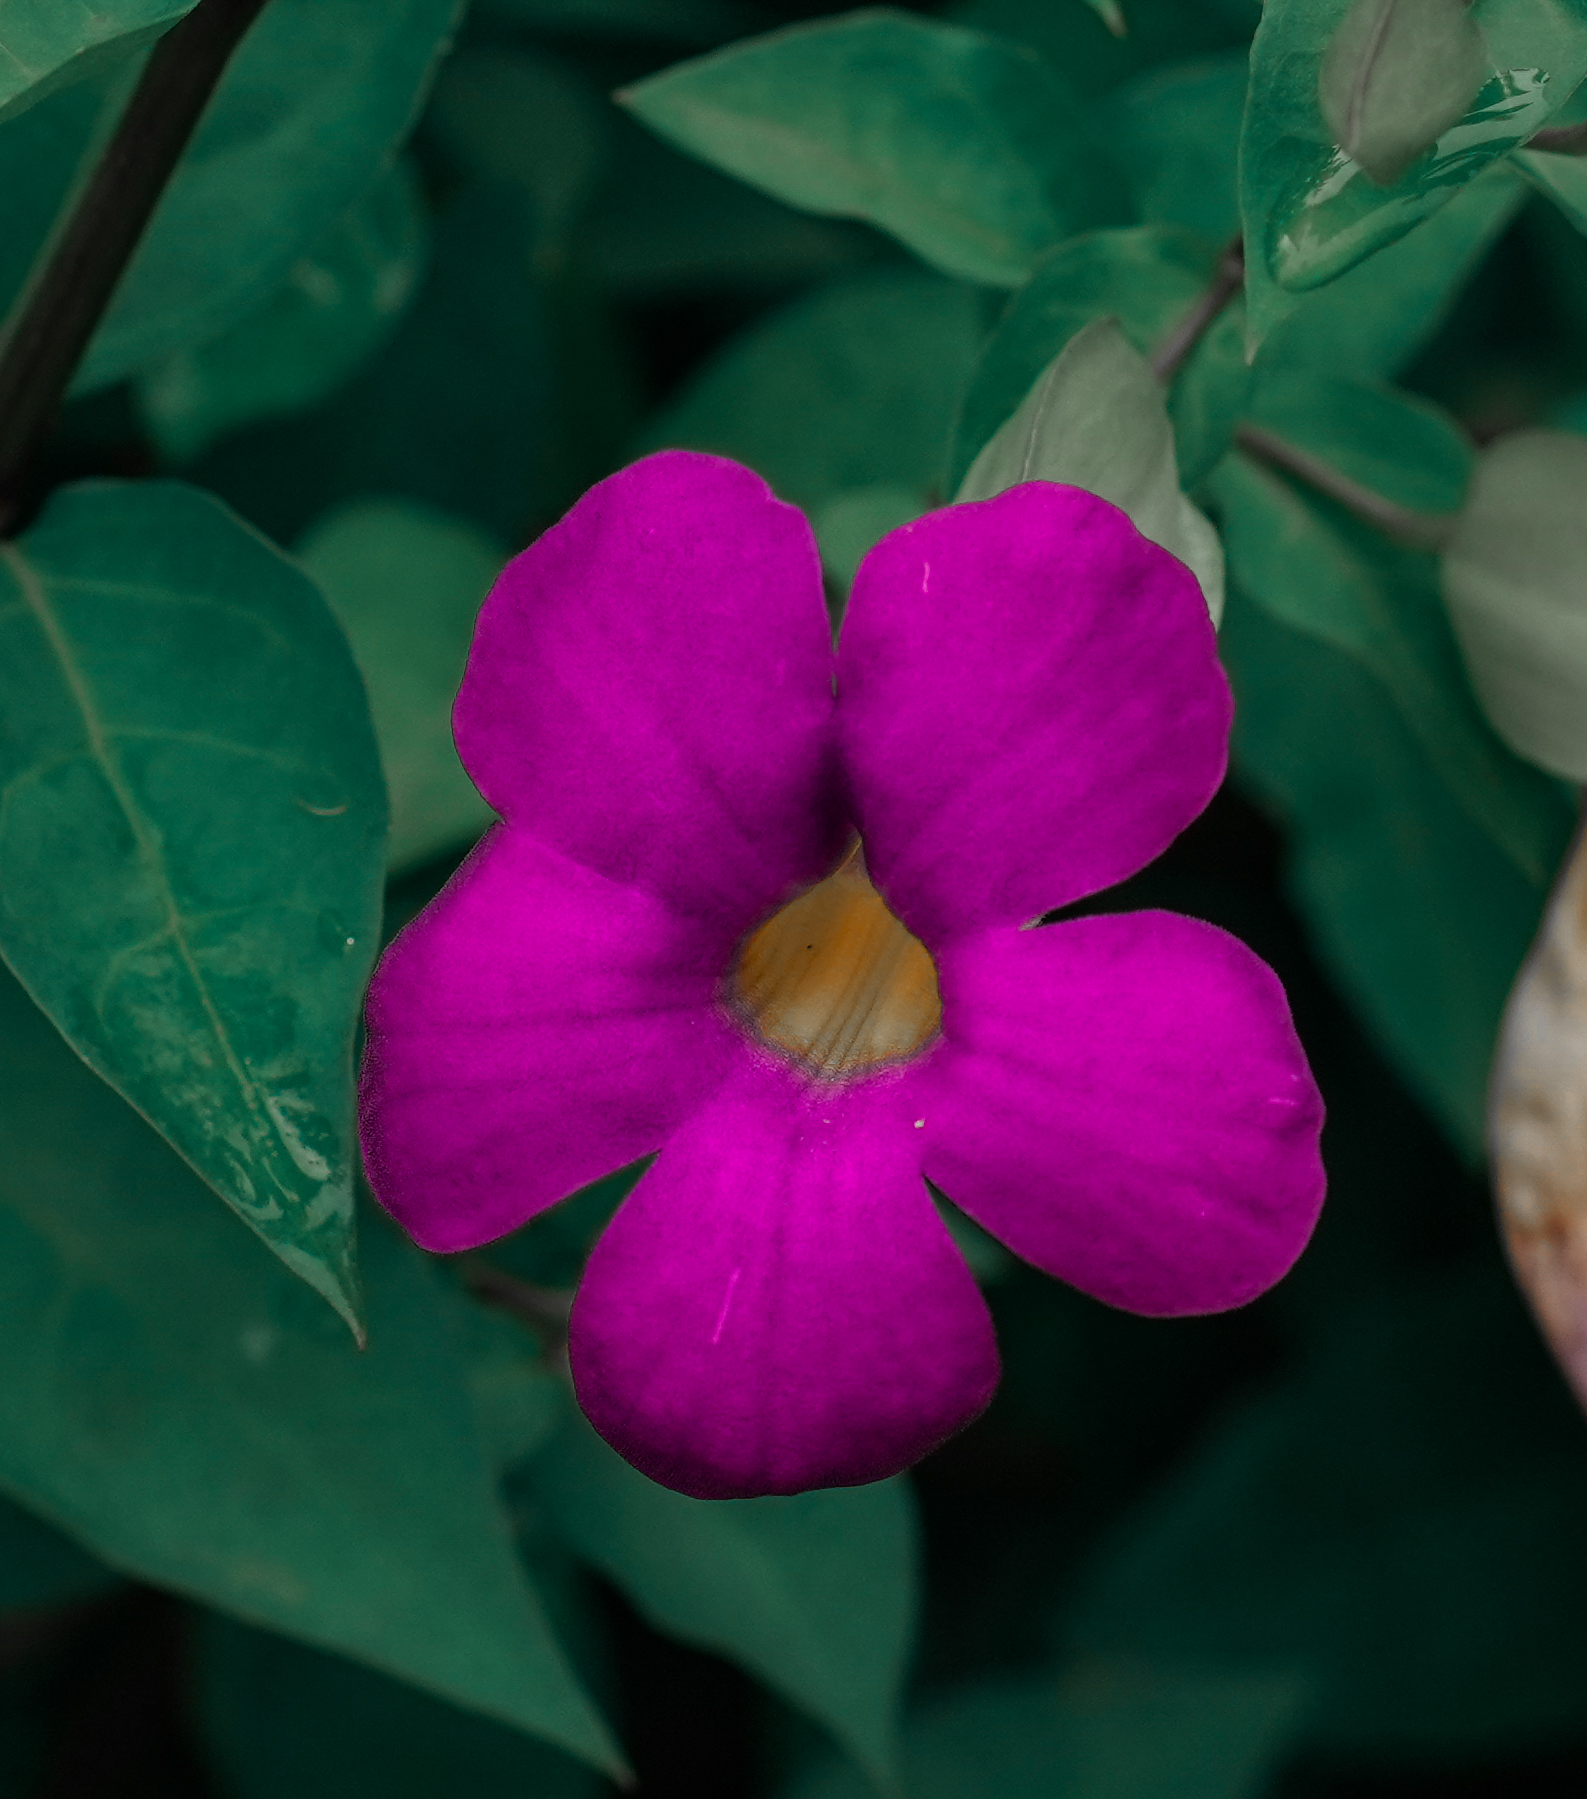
x,y
835,981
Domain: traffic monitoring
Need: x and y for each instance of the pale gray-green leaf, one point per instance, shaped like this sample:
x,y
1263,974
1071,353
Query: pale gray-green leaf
x,y
1395,75
192,829
1096,419
1515,578
406,582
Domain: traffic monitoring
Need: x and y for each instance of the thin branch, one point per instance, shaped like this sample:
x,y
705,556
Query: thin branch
x,y
1417,530
544,1309
66,297
1184,334
1562,140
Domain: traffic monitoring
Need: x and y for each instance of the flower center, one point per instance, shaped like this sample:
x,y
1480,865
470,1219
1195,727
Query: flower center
x,y
836,981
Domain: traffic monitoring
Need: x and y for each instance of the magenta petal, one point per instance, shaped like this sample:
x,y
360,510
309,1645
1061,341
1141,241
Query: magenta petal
x,y
1123,1101
777,1306
650,689
536,1027
1030,707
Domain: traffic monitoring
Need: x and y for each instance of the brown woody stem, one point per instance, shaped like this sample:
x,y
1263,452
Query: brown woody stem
x,y
65,298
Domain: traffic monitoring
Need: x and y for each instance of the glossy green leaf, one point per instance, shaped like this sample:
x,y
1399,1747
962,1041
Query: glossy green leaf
x,y
310,109
1103,1731
1311,212
1515,577
1395,76
853,385
1147,277
46,44
339,303
1369,323
1391,1519
279,1717
815,1593
1313,567
192,841
406,583
1095,418
172,1397
968,149
1419,916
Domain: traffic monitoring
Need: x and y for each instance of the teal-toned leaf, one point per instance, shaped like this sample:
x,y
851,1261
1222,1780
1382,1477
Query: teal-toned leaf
x,y
1311,211
279,1717
310,109
41,1566
45,44
815,1593
1095,418
1108,1730
338,305
192,841
851,523
1177,140
528,120
1395,76
968,149
1515,577
1308,567
1562,178
1420,917
852,386
1111,14
406,582
697,23
1369,323
173,1398
1393,1520
1148,278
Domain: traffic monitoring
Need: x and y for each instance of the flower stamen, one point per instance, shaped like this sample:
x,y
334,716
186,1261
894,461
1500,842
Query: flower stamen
x,y
836,981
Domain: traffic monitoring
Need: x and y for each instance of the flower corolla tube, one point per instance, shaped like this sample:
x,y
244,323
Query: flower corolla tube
x,y
758,907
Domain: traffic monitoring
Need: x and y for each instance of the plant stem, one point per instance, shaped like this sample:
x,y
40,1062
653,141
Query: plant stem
x,y
1563,140
544,1309
1184,334
1418,530
66,297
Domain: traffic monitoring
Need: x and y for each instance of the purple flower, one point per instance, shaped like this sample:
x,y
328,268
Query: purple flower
x,y
652,954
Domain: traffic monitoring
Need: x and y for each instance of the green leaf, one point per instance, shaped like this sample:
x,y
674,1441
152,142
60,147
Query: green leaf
x,y
406,583
40,1566
1395,76
192,842
310,109
1311,212
1389,1519
1147,277
1420,917
815,1594
1106,1730
1369,323
968,149
173,1398
1310,568
278,1717
1514,574
1177,139
852,522
1562,178
46,44
1111,14
1095,418
854,385
339,303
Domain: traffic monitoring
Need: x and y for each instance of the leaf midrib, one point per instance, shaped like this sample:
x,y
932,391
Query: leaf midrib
x,y
144,835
